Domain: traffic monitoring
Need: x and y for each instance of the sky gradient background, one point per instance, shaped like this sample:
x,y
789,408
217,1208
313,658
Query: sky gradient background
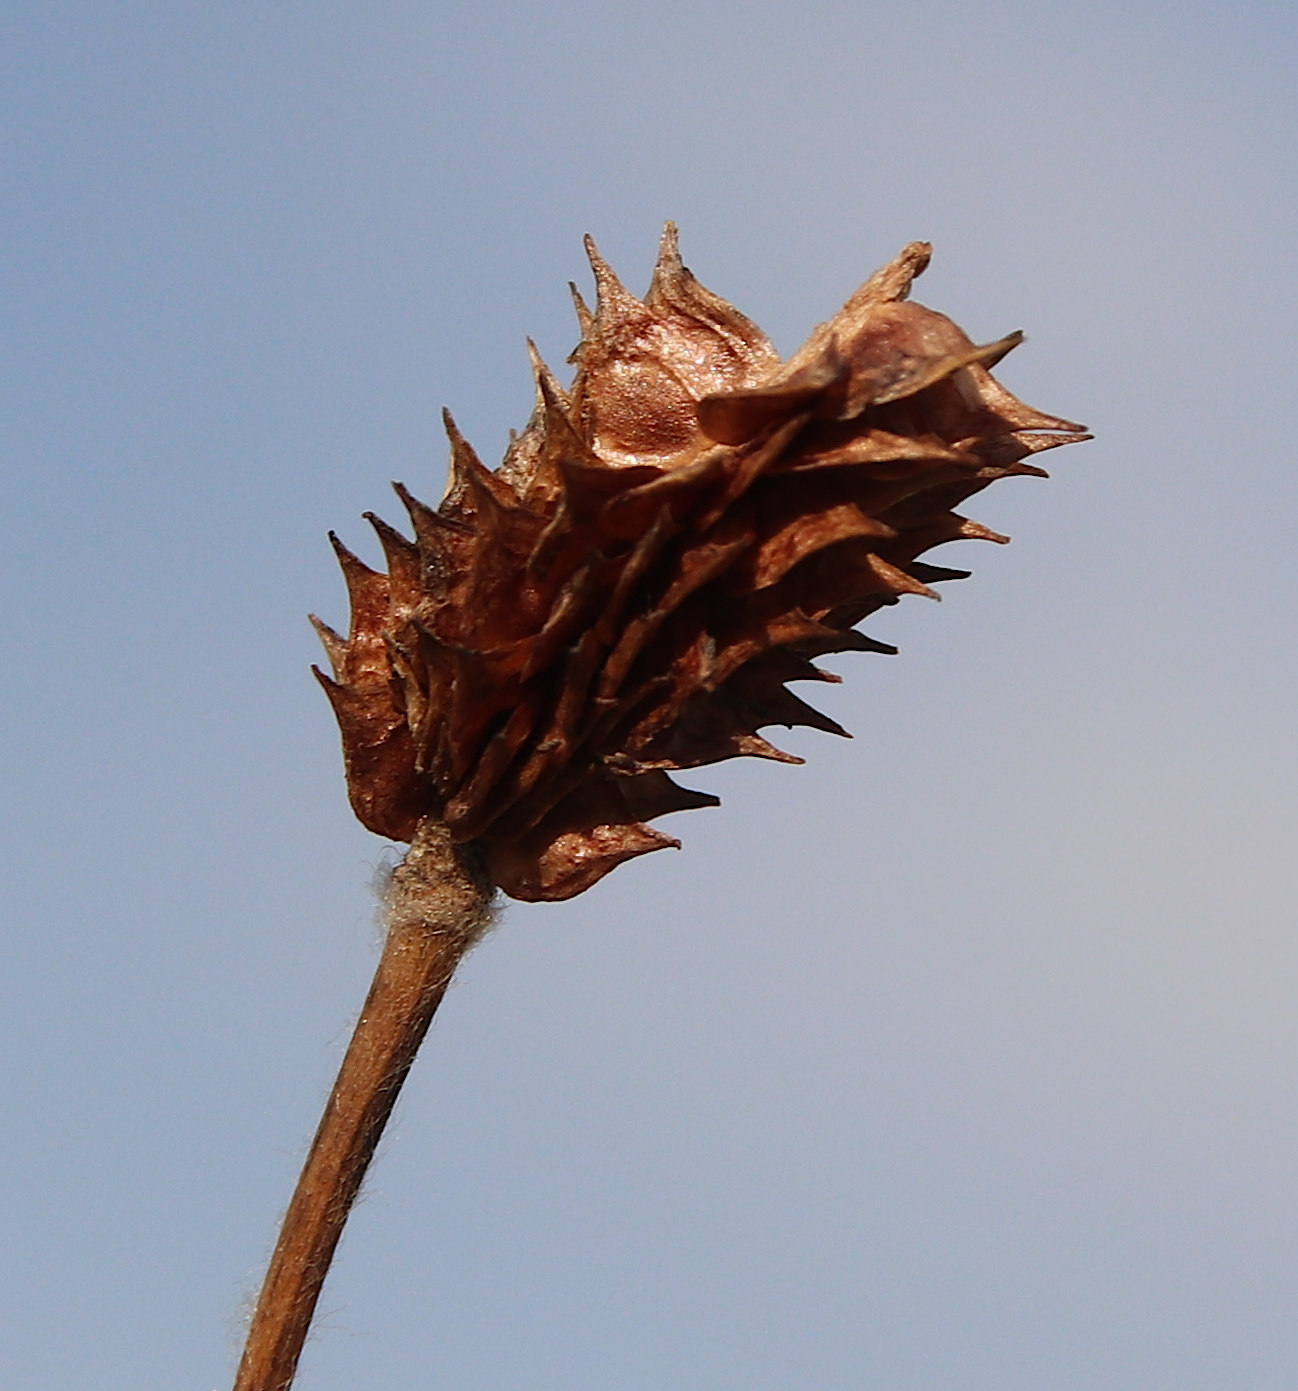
x,y
962,1059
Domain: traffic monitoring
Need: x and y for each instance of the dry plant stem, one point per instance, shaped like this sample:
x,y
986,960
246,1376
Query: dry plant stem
x,y
438,906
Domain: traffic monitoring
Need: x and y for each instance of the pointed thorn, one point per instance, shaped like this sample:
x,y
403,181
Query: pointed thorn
x,y
364,586
585,319
754,746
332,688
386,532
468,470
422,511
936,574
333,642
975,531
452,429
558,422
912,263
992,353
429,524
669,269
797,711
613,300
348,559
402,556
865,643
897,580
545,379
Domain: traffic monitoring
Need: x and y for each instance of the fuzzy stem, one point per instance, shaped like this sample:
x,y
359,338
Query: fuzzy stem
x,y
438,906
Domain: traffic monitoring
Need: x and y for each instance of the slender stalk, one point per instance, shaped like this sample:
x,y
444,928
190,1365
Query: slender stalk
x,y
438,906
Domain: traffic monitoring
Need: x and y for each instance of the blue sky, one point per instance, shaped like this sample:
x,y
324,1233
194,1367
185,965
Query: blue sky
x,y
962,1057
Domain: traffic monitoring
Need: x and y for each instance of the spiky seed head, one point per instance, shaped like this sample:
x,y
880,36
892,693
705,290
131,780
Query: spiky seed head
x,y
665,547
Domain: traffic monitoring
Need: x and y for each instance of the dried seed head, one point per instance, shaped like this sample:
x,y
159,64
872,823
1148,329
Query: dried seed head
x,y
663,549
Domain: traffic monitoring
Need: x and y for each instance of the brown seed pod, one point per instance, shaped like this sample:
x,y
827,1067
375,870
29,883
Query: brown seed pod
x,y
662,550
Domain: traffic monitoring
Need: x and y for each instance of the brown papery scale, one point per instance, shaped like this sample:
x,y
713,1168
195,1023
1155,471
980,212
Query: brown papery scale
x,y
667,545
